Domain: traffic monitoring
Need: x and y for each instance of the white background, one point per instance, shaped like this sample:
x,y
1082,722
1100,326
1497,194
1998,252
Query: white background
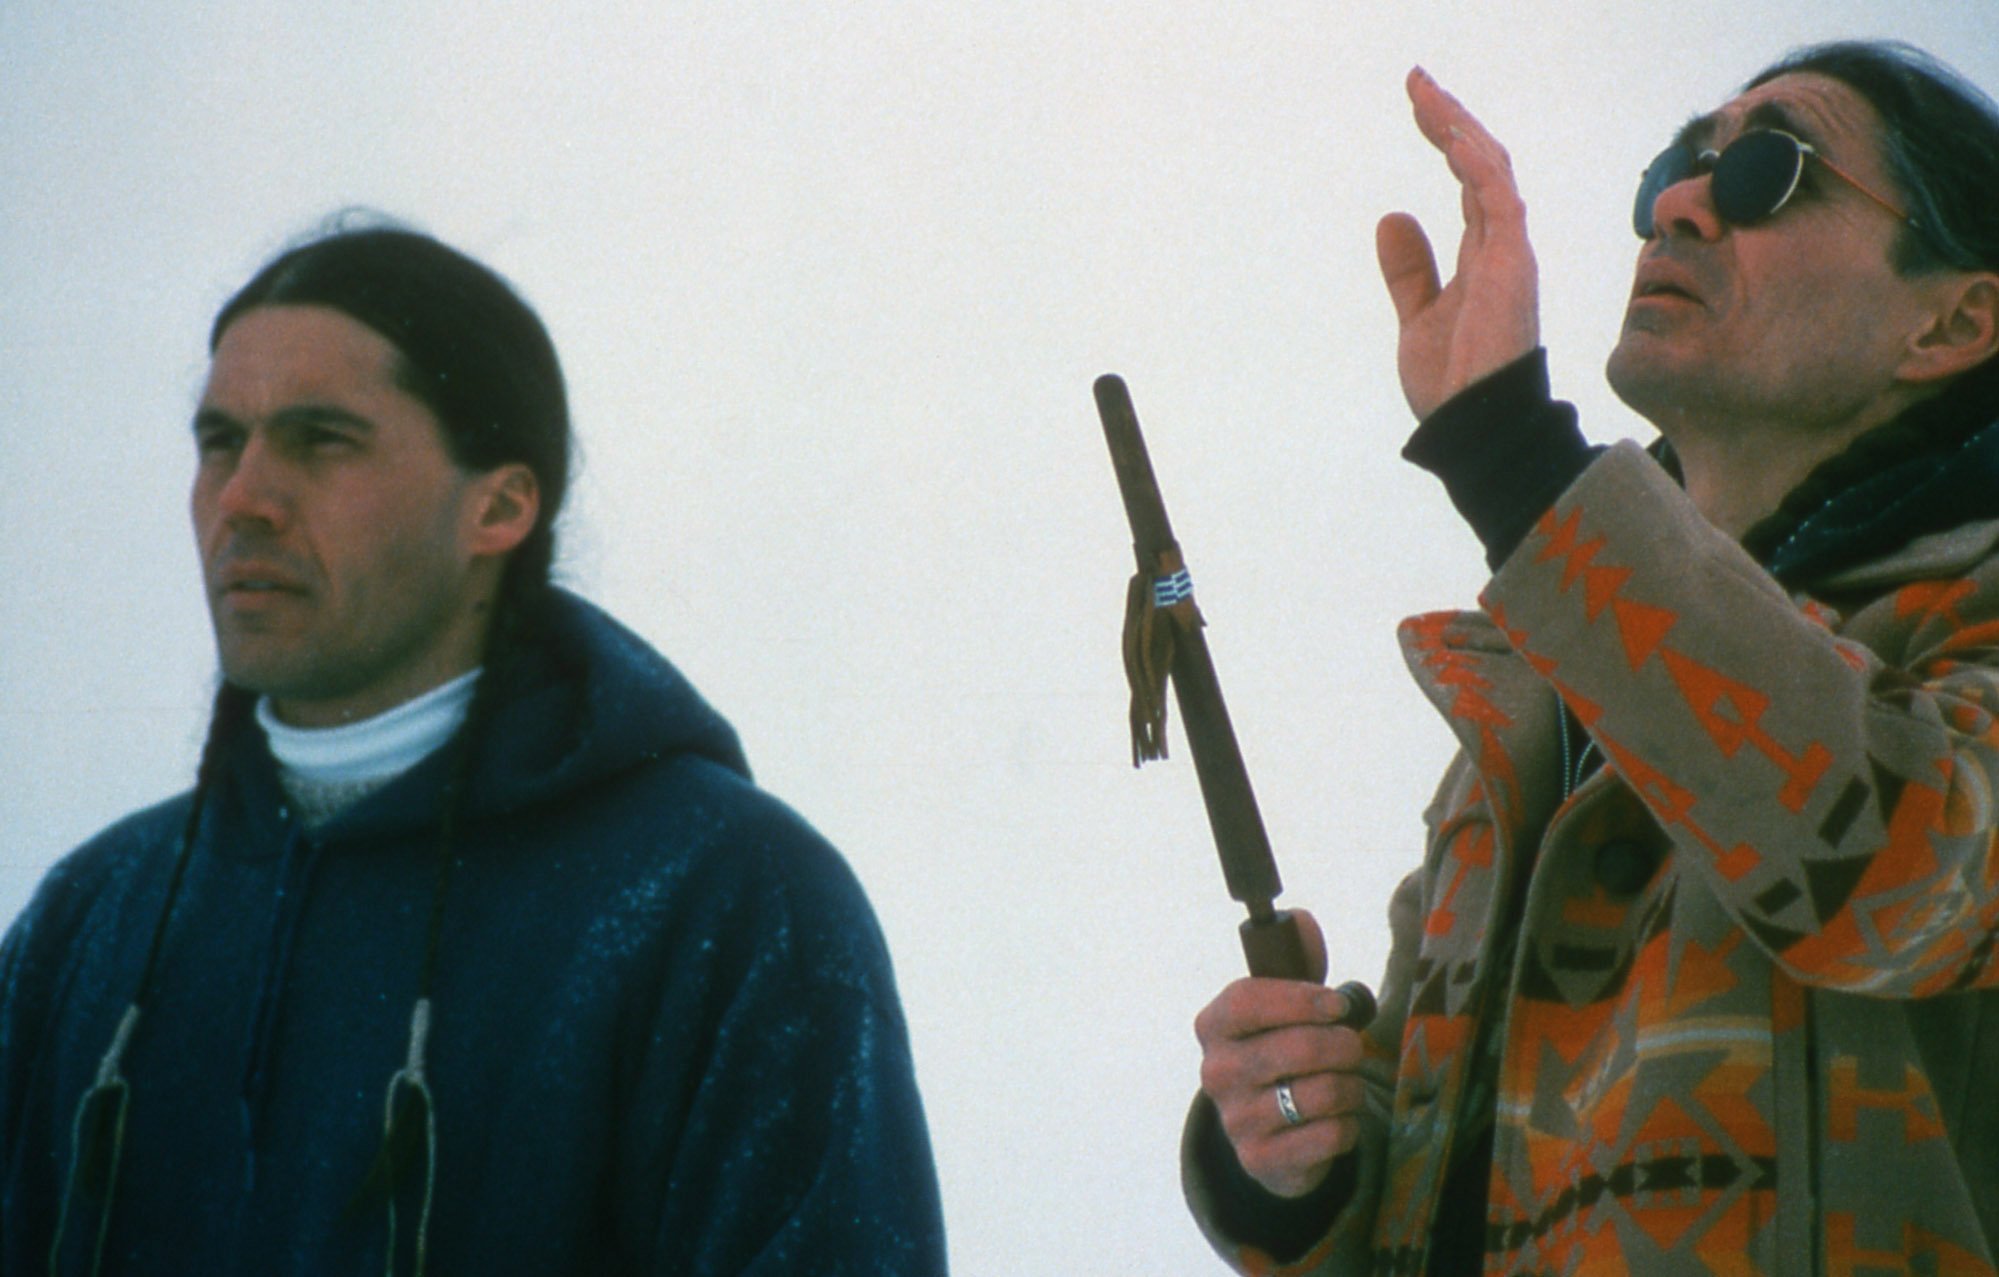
x,y
831,283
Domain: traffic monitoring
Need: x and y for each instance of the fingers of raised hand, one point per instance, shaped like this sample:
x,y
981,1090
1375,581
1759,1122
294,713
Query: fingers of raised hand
x,y
1475,156
1408,264
1453,129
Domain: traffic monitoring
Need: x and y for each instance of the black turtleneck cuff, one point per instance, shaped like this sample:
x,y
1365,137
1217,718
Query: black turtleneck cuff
x,y
1505,450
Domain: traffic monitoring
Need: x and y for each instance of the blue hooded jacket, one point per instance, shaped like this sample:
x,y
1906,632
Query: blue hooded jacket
x,y
665,1036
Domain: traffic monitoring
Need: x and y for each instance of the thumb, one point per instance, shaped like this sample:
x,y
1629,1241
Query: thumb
x,y
1408,266
1314,941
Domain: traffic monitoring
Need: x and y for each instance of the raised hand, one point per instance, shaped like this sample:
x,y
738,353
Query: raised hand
x,y
1488,315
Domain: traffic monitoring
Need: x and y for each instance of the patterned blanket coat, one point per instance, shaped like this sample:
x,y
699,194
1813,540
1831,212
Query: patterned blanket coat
x,y
1751,1024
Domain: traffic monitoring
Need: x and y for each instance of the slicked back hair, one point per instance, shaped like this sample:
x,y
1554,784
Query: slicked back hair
x,y
1940,141
468,348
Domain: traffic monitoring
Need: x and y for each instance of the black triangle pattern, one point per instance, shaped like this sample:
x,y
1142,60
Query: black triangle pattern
x,y
1536,984
1772,899
1774,938
1888,787
1833,881
1852,799
1430,996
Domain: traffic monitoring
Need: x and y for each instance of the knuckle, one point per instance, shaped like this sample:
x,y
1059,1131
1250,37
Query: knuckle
x,y
1243,1130
1228,1009
1217,1075
1204,1025
1222,1017
1258,1159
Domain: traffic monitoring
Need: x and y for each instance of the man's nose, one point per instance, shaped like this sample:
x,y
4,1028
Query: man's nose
x,y
1687,208
255,489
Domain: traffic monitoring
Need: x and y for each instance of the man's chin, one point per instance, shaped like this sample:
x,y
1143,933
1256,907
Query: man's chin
x,y
1645,375
261,672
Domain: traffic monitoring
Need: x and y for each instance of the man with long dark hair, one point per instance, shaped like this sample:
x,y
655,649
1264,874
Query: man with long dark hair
x,y
474,949
1698,974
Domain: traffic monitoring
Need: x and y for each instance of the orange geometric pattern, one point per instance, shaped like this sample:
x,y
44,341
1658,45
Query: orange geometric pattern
x,y
1731,713
1696,970
1819,798
1913,1102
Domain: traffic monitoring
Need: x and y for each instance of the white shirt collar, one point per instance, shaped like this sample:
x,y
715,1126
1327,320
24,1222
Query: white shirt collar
x,y
373,749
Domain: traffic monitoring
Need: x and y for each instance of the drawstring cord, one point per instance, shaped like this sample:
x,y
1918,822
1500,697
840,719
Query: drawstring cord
x,y
89,1161
98,1127
97,1130
409,1088
412,1075
93,1166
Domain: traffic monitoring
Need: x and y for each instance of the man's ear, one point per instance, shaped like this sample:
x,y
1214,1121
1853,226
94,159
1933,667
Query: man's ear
x,y
506,501
1965,331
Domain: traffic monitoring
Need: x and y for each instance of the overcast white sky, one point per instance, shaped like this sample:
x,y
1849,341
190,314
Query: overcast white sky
x,y
831,284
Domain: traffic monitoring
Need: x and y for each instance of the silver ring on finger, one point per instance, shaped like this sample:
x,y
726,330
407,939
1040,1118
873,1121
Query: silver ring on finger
x,y
1287,1105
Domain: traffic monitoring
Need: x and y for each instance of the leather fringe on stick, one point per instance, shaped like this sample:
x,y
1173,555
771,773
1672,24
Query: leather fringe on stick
x,y
1156,607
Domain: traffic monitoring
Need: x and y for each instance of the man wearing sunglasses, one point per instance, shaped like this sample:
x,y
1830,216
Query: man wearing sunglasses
x,y
1701,970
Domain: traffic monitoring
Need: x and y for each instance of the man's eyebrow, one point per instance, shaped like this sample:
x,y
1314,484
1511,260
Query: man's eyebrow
x,y
206,418
1773,115
306,414
1695,134
1699,131
313,414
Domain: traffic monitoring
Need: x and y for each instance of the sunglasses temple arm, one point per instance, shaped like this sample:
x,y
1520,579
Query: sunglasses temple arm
x,y
1860,186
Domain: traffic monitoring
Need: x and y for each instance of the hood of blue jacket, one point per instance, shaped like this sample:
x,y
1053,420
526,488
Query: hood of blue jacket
x,y
589,700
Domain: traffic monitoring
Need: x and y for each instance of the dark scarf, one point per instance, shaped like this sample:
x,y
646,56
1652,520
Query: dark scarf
x,y
1931,469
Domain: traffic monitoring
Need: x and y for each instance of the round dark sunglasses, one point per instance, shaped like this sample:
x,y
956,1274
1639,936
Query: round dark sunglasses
x,y
1753,177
